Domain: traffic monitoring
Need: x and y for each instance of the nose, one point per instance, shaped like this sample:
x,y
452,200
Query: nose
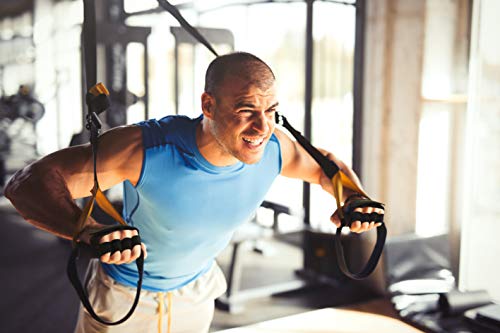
x,y
260,122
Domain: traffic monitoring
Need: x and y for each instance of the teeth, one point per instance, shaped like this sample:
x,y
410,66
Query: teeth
x,y
253,142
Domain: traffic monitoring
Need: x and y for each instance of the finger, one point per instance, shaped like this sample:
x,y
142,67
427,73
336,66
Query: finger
x,y
355,226
115,257
105,257
125,257
110,257
378,224
364,226
144,250
335,219
379,211
372,225
136,252
126,234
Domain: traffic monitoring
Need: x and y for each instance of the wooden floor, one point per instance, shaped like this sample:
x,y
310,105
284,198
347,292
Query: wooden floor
x,y
379,306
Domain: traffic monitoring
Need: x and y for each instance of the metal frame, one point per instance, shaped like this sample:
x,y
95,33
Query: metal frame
x,y
117,32
233,299
359,51
181,36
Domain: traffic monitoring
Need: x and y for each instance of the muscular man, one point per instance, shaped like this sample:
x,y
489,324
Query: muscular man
x,y
188,184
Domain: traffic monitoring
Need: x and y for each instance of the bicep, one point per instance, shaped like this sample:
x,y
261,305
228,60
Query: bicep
x,y
119,158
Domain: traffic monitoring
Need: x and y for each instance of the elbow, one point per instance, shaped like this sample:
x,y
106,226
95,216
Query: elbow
x,y
10,188
20,183
13,186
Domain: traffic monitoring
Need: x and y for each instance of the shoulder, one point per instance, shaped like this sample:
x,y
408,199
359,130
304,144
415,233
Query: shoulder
x,y
122,137
122,146
288,147
158,132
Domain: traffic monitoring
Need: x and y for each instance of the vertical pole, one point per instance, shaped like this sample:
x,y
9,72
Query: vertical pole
x,y
146,83
306,192
176,77
359,43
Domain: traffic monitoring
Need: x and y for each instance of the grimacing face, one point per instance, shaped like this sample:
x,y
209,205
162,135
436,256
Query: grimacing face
x,y
243,119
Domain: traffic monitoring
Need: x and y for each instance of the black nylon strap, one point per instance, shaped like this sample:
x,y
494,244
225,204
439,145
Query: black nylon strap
x,y
89,43
328,166
185,24
372,261
95,247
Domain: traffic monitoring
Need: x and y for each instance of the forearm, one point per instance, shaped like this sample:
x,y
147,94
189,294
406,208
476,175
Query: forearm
x,y
327,183
298,163
41,196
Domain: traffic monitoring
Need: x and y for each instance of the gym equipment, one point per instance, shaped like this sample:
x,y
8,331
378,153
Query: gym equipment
x,y
19,115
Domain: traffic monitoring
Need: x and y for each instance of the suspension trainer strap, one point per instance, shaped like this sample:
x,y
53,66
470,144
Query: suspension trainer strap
x,y
185,24
97,101
346,213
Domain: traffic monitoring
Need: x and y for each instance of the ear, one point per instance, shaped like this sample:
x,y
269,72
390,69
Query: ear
x,y
208,105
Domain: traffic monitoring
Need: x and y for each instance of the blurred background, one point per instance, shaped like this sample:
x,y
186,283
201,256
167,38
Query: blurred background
x,y
407,92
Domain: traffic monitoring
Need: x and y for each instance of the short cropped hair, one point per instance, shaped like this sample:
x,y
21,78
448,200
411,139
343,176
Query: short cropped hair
x,y
240,64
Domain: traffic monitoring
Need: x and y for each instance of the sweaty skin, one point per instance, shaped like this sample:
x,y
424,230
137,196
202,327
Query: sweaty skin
x,y
237,125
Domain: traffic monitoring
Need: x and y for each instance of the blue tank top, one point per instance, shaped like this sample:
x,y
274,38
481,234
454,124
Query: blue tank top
x,y
186,208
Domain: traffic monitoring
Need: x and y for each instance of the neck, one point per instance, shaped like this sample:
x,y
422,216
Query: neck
x,y
209,148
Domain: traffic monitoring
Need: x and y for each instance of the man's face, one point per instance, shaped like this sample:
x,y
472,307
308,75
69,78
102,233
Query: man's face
x,y
243,119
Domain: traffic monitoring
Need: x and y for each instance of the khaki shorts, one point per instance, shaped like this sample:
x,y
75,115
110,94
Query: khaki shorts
x,y
192,305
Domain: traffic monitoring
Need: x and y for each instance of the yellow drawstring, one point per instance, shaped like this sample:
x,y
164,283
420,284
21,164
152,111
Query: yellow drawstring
x,y
169,323
161,310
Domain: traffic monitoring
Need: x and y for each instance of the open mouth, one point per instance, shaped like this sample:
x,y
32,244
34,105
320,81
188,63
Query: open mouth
x,y
253,142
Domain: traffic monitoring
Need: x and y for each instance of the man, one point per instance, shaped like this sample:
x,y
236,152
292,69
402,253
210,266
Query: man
x,y
188,184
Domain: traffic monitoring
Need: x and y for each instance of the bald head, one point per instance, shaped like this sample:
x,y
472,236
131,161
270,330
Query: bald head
x,y
242,65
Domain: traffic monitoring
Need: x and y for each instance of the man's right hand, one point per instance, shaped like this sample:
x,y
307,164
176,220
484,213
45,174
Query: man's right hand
x,y
119,257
